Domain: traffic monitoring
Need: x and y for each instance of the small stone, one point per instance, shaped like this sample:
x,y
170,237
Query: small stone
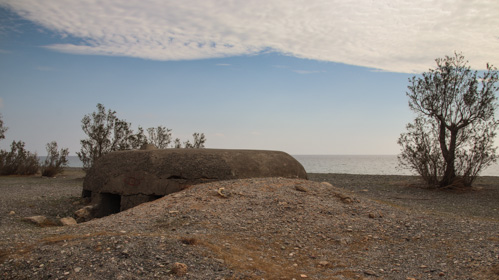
x,y
303,276
179,269
323,263
38,220
85,214
370,273
301,188
223,193
327,184
423,266
77,269
12,213
68,221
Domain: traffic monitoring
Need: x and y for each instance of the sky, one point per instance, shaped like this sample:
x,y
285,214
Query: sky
x,y
300,76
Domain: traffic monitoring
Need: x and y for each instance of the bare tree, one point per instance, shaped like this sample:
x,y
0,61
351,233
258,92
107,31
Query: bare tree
x,y
2,129
56,160
453,134
160,136
198,142
106,133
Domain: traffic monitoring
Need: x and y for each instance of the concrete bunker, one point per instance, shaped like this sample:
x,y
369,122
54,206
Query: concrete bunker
x,y
124,179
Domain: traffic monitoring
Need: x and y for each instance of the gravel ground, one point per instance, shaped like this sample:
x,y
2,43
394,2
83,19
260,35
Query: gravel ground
x,y
363,227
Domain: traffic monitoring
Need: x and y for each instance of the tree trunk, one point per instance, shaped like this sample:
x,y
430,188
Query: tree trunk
x,y
450,157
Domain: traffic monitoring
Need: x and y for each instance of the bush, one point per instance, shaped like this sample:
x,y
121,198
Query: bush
x,y
55,161
18,161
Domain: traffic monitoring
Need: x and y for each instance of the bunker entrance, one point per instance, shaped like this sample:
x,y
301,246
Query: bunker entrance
x,y
109,204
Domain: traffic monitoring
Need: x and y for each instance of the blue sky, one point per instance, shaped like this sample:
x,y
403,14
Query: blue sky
x,y
304,77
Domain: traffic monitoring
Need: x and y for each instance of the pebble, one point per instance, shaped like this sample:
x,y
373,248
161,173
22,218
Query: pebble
x,y
323,263
179,269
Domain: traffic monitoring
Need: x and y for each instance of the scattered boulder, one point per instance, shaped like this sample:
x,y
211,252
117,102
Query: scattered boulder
x,y
41,221
85,214
125,179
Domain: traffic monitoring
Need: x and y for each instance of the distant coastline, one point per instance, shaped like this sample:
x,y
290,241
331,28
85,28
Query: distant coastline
x,y
363,164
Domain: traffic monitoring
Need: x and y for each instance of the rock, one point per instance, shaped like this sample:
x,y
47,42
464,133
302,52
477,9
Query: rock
x,y
77,269
323,263
375,215
370,273
179,269
85,214
68,221
223,193
12,213
301,188
39,221
327,184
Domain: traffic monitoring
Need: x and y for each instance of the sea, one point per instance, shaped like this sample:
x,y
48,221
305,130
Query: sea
x,y
364,164
346,164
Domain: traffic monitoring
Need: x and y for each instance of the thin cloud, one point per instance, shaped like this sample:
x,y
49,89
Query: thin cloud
x,y
223,64
395,36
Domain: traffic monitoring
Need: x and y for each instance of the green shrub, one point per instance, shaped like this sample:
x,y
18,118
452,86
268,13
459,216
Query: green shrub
x,y
55,161
18,161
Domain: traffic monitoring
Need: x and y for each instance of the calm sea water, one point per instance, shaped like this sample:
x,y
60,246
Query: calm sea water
x,y
73,161
372,165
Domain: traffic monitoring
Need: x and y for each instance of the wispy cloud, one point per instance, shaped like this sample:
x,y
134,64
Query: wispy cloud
x,y
399,36
223,64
